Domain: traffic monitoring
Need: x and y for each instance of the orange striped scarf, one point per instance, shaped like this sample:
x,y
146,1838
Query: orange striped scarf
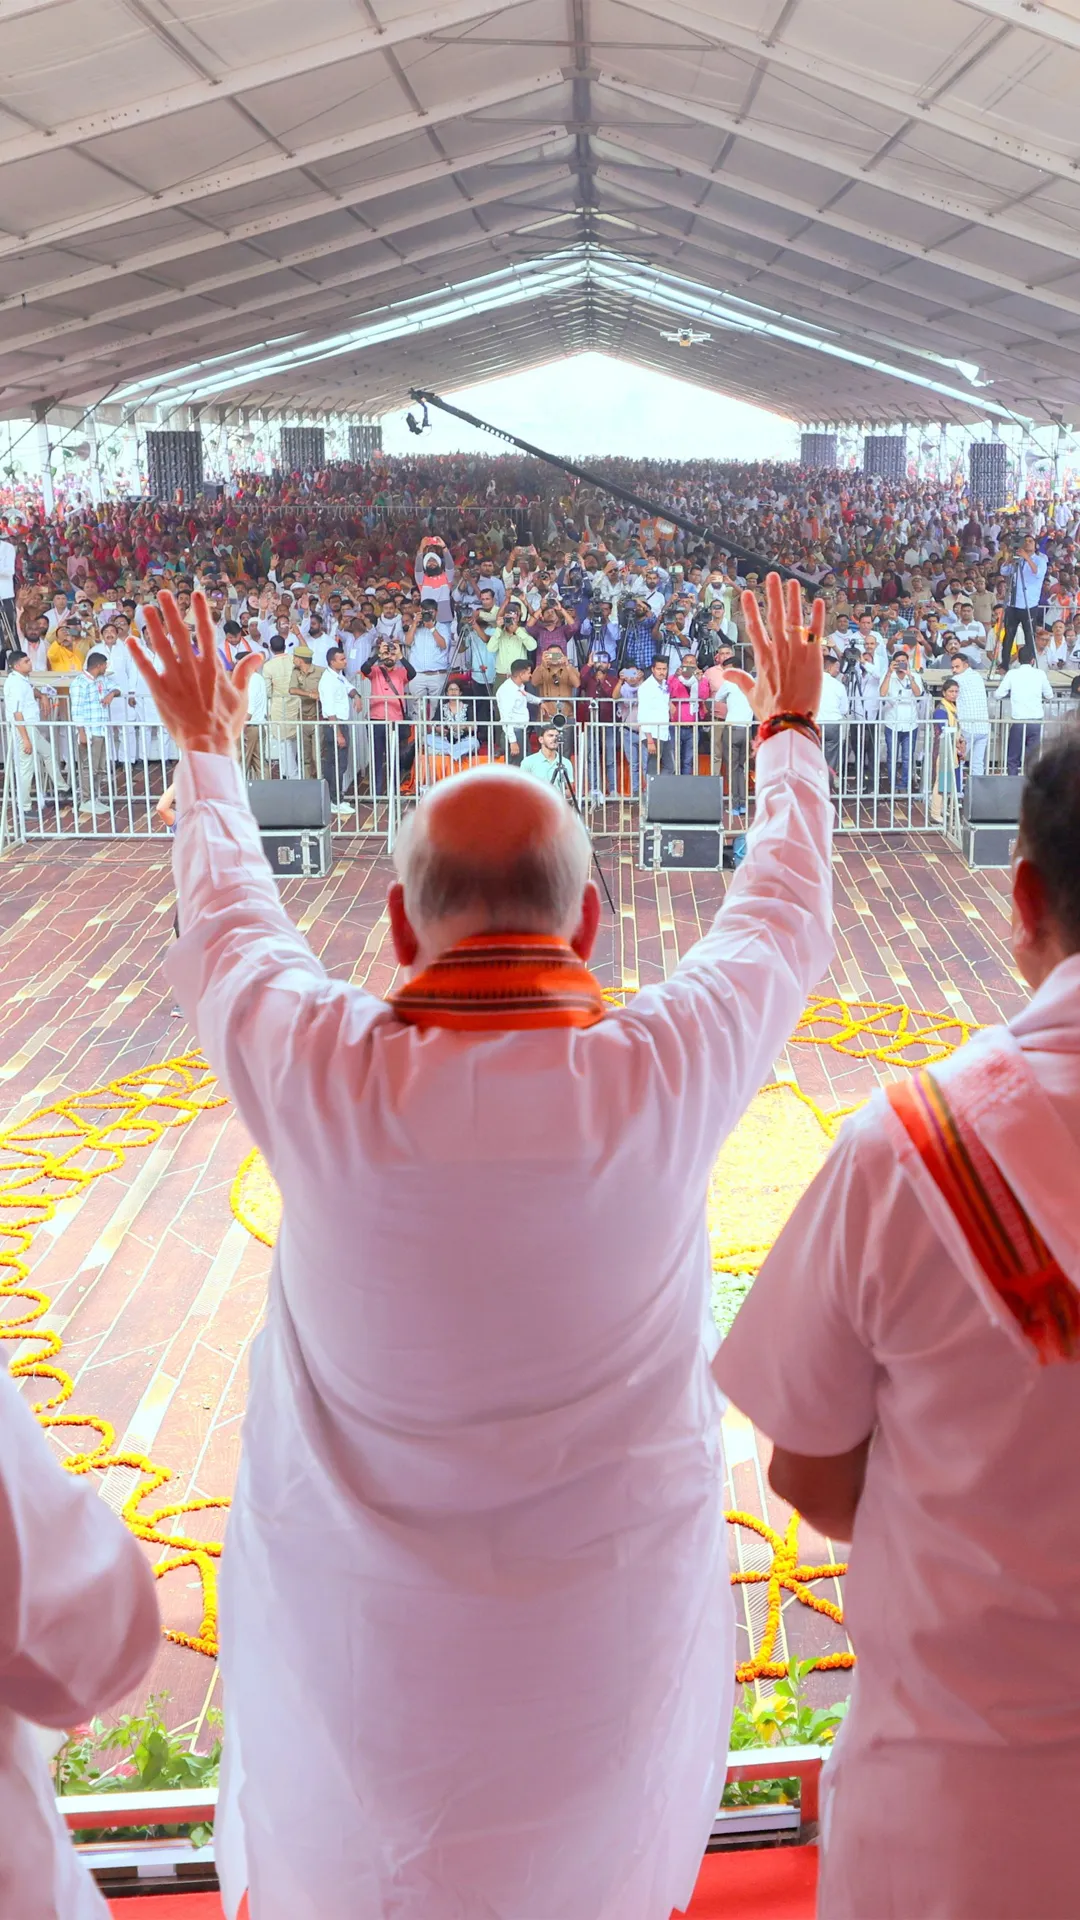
x,y
1003,1239
502,982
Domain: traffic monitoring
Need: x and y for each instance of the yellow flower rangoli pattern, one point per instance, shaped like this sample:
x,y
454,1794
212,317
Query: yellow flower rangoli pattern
x,y
762,1170
54,1156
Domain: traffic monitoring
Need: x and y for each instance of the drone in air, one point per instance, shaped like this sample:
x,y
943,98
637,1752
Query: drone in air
x,y
686,337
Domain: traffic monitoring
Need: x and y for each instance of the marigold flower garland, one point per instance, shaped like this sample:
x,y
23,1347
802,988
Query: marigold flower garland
x,y
48,1158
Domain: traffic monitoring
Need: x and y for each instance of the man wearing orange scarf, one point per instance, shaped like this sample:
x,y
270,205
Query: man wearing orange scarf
x,y
912,1346
475,1597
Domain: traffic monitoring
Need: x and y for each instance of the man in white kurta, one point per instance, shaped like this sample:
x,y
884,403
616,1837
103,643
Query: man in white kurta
x,y
477,1629
950,1792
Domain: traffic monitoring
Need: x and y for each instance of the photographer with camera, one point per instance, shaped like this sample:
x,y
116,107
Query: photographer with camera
x,y
862,673
553,628
1025,572
427,643
637,628
901,701
435,573
508,641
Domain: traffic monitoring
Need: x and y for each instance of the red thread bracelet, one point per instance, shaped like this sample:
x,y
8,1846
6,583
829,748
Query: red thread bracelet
x,y
780,722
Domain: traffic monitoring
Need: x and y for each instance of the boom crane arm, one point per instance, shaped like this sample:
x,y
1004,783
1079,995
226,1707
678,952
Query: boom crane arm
x,y
750,562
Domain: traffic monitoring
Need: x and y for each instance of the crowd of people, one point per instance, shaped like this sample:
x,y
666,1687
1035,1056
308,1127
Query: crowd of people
x,y
418,614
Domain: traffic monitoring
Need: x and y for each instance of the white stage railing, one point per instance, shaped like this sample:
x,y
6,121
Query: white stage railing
x,y
884,780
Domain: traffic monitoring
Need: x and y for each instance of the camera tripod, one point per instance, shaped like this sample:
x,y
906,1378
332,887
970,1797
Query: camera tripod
x,y
564,783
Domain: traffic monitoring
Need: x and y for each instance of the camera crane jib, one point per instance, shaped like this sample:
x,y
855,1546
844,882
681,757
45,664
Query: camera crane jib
x,y
749,561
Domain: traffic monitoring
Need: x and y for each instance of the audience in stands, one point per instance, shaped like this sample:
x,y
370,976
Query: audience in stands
x,y
470,565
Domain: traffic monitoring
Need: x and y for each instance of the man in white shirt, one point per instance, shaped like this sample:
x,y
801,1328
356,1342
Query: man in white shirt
x,y
319,640
654,719
478,1534
9,636
428,642
901,699
256,757
972,712
1025,687
24,730
733,718
336,702
971,635
357,638
895,1347
833,710
513,706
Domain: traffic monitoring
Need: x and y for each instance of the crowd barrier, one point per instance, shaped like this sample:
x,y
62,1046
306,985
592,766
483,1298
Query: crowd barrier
x,y
884,780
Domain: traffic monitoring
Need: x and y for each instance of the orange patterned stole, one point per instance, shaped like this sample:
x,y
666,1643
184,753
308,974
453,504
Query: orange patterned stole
x,y
496,982
1004,1241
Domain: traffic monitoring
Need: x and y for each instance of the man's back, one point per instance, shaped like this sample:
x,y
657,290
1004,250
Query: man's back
x,y
962,1598
476,1572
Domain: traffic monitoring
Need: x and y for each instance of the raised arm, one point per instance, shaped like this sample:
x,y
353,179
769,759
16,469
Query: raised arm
x,y
247,980
719,1022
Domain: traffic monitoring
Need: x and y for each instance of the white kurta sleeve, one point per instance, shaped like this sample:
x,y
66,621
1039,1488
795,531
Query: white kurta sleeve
x,y
717,1025
797,1361
266,1013
79,1619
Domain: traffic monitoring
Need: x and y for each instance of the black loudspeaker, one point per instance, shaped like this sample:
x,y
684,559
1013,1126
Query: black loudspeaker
x,y
303,449
817,450
682,825
174,465
684,800
885,454
365,439
290,803
987,846
294,826
988,473
993,799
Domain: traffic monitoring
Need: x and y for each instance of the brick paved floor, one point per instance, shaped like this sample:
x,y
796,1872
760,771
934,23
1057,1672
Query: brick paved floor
x,y
161,1290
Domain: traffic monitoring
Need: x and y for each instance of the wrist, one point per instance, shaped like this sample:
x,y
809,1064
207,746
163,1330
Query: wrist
x,y
212,740
803,723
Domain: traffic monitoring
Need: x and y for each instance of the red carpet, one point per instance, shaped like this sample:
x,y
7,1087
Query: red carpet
x,y
768,1883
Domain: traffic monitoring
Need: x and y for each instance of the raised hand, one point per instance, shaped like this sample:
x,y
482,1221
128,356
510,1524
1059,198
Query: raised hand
x,y
203,707
786,653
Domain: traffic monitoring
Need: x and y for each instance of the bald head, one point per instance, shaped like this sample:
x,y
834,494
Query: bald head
x,y
490,852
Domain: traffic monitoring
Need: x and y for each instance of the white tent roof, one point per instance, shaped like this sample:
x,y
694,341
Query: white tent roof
x,y
873,210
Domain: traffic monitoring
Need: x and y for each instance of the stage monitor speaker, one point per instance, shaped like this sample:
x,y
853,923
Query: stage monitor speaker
x,y
684,800
682,849
290,803
993,799
293,818
987,846
308,855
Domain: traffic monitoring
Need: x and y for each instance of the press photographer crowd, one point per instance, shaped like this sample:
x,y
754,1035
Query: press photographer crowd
x,y
417,615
